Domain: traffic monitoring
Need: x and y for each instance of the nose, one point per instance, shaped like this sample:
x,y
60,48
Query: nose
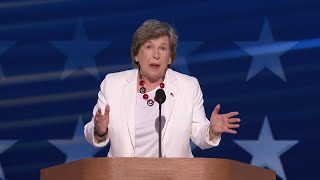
x,y
156,54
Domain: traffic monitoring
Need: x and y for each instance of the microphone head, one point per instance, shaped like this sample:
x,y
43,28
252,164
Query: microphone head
x,y
160,96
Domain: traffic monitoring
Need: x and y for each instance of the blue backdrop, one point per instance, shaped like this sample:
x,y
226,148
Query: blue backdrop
x,y
261,58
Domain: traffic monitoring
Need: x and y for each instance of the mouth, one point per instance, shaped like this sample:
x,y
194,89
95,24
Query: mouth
x,y
154,66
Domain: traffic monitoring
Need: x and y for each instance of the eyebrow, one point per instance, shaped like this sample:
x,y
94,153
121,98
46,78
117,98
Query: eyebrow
x,y
163,43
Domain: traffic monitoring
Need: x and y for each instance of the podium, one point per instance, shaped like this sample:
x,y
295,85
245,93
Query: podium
x,y
156,169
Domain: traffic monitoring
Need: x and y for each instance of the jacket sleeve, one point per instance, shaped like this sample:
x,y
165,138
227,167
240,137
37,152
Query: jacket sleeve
x,y
200,123
89,127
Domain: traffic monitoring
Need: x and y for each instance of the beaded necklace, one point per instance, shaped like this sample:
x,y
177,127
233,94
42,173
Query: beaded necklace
x,y
143,90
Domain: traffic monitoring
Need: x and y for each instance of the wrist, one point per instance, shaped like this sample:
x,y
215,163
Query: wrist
x,y
99,137
213,133
99,134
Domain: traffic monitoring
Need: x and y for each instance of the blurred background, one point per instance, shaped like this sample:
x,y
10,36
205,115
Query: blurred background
x,y
261,58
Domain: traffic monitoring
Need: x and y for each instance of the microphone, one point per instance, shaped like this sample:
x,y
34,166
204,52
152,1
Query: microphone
x,y
160,98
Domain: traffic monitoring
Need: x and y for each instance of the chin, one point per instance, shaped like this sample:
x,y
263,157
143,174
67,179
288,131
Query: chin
x,y
155,73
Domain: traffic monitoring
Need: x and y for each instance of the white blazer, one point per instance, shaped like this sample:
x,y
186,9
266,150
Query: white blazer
x,y
183,111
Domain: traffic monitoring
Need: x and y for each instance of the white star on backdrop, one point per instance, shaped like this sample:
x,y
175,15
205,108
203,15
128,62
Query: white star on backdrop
x,y
184,49
266,52
4,145
80,52
77,148
4,45
266,151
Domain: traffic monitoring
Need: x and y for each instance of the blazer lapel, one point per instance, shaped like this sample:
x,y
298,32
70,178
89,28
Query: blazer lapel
x,y
129,98
171,90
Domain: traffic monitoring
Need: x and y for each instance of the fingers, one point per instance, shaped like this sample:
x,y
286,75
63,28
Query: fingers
x,y
234,120
216,109
98,114
107,110
99,118
225,122
231,114
231,131
230,126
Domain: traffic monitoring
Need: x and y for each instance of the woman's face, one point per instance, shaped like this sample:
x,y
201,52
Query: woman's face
x,y
154,57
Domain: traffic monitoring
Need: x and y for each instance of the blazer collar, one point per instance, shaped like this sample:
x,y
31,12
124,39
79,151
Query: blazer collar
x,y
172,91
129,102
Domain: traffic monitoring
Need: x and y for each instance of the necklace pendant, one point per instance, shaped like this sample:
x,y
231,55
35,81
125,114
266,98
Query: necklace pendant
x,y
143,90
150,102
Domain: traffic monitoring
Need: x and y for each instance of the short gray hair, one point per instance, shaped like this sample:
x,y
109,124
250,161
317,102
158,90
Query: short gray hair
x,y
153,29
